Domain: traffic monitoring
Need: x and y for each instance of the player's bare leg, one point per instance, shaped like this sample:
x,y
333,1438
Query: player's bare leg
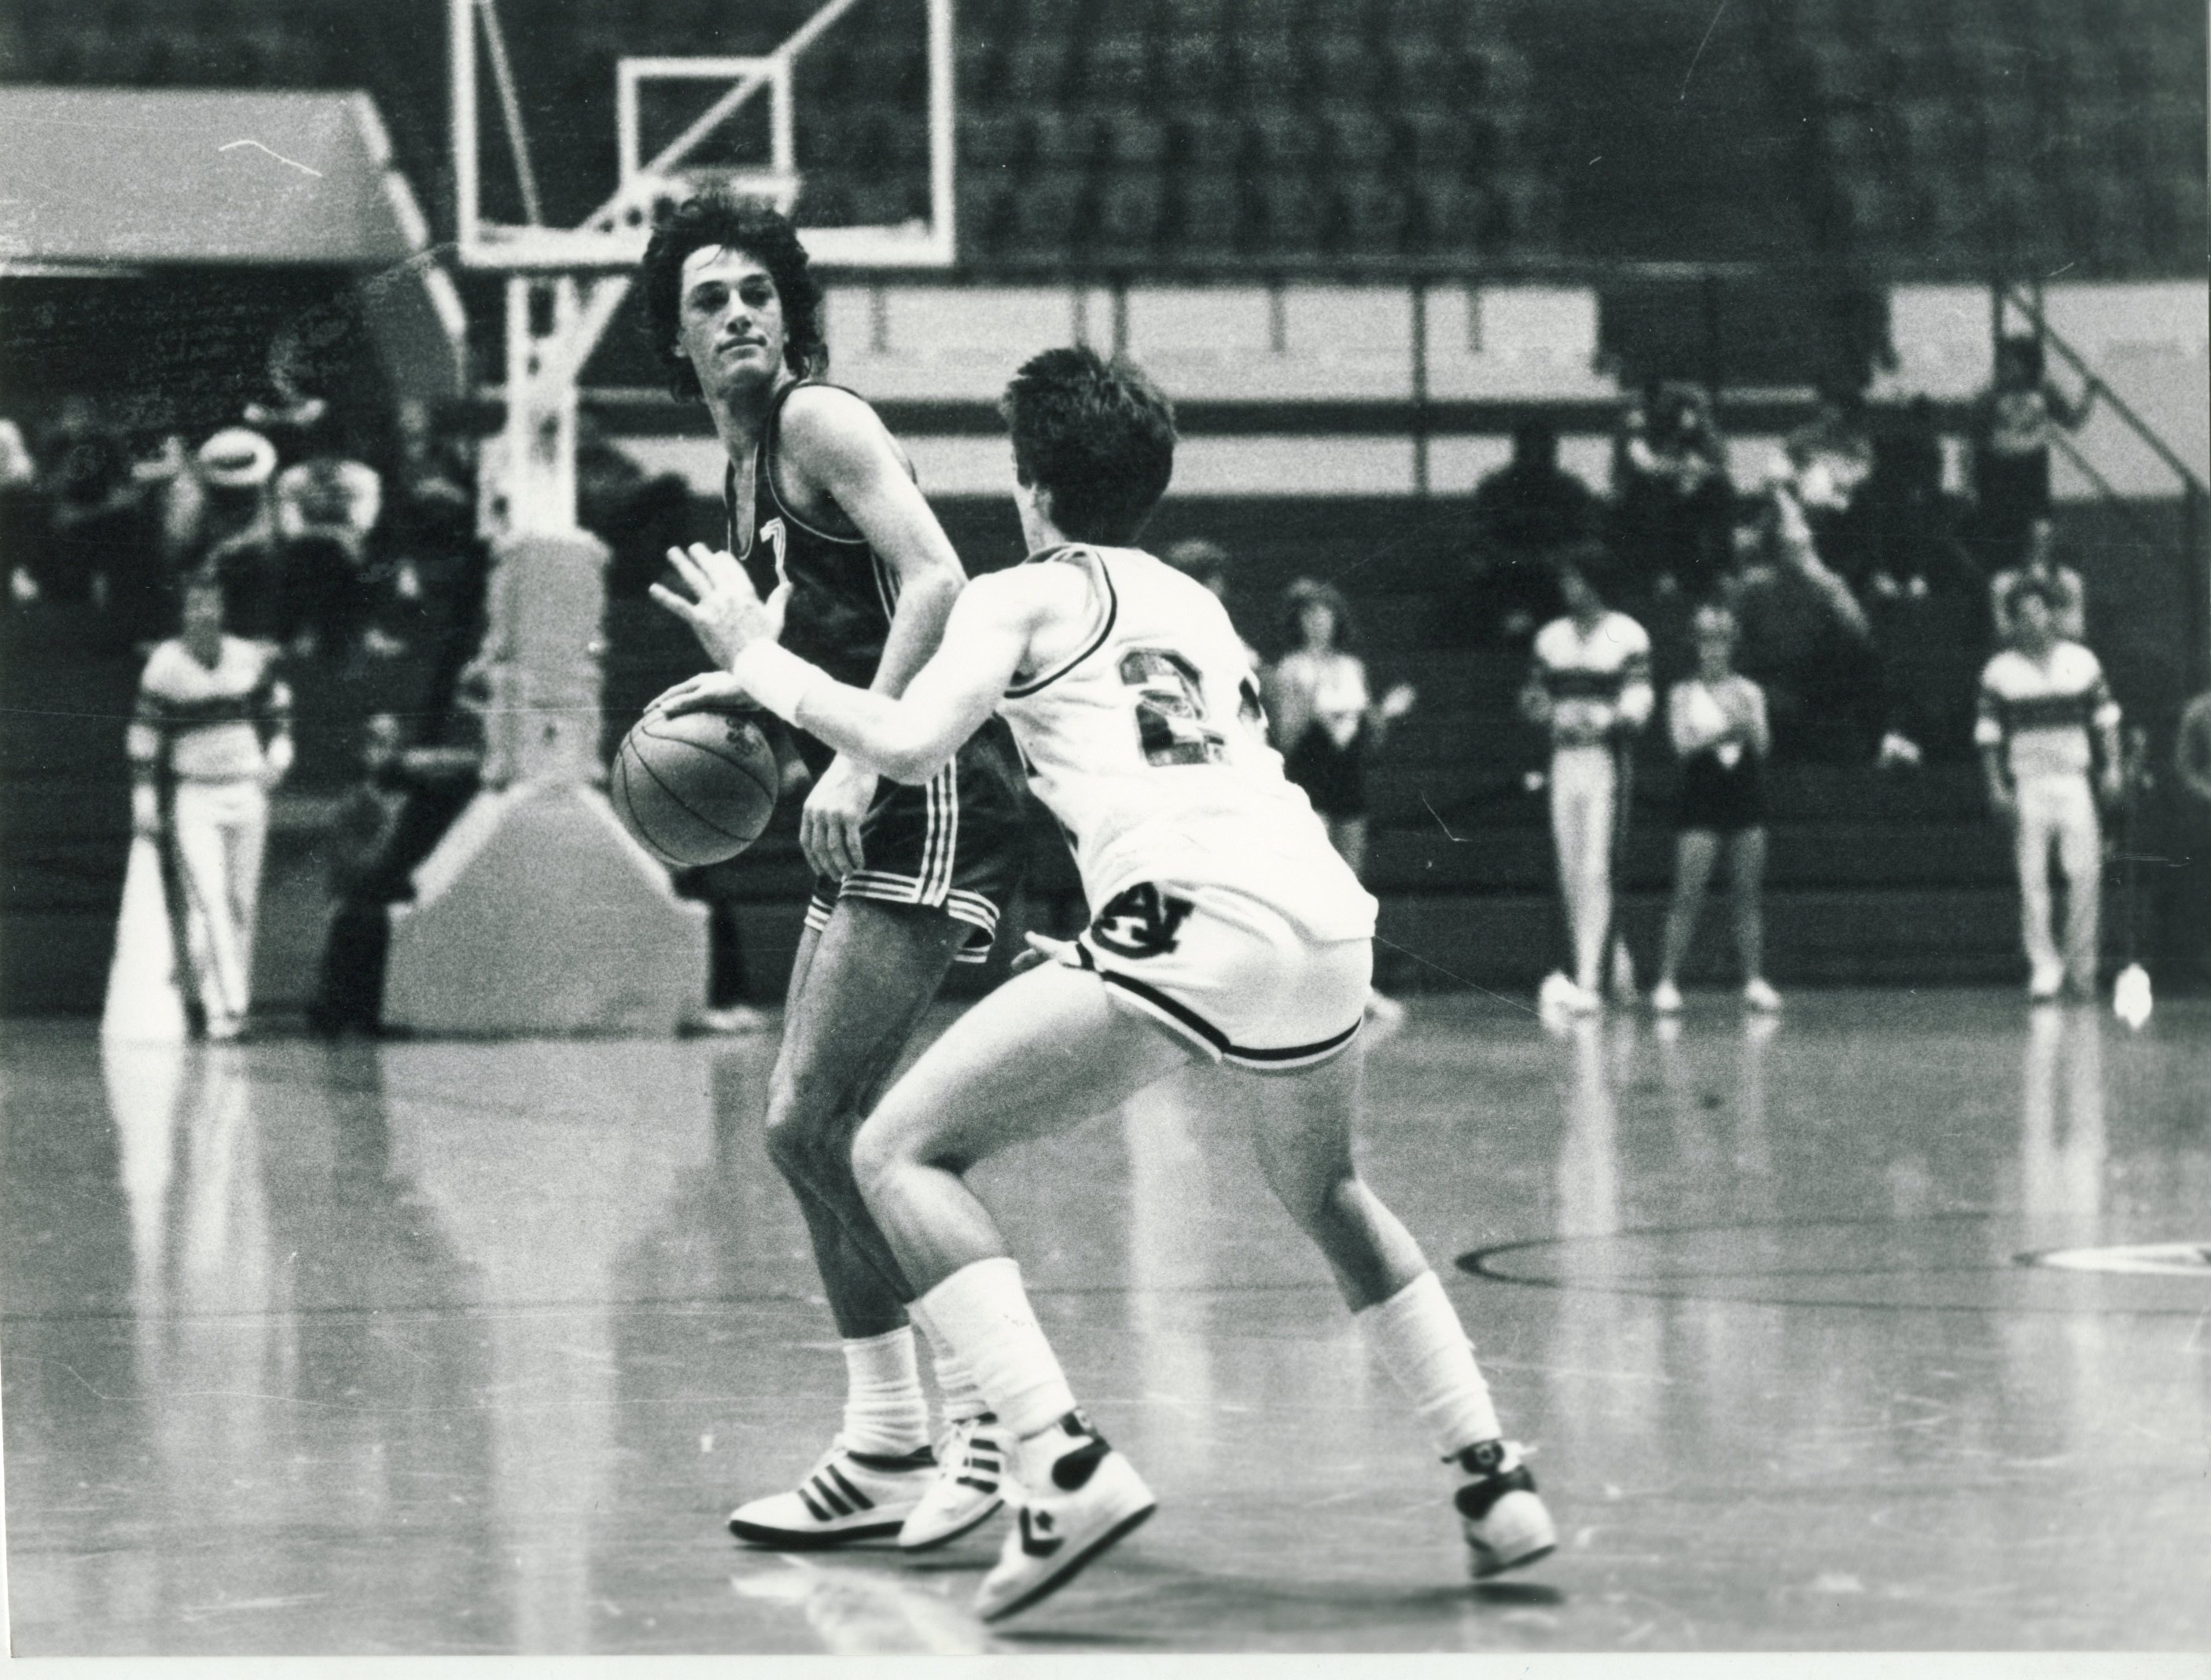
x,y
1695,853
858,990
1746,863
1044,1052
1301,1129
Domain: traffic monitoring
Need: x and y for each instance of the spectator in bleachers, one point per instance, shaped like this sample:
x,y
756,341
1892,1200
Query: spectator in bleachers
x,y
327,509
1720,733
1523,518
2067,595
2046,717
382,831
1831,453
92,518
1808,643
222,519
1671,490
1904,516
2015,421
23,524
1327,724
291,411
1208,562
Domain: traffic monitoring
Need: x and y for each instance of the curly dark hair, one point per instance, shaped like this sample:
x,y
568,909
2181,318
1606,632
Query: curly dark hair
x,y
719,218
1099,435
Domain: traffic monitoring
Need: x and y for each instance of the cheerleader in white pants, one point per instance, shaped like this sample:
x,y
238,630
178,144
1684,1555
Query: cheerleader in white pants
x,y
208,738
1590,687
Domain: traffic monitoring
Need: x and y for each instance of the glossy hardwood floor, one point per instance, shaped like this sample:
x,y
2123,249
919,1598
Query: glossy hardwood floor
x,y
469,1347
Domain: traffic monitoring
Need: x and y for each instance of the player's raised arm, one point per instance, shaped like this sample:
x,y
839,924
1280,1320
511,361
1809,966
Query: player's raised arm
x,y
907,737
843,449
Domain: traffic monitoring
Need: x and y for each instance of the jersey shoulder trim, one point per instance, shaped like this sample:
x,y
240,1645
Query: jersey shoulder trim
x,y
1106,620
769,433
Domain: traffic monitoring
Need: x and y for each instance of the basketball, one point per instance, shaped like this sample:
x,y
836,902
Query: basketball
x,y
694,789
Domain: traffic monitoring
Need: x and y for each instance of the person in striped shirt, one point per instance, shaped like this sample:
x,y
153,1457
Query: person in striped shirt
x,y
1590,688
2048,720
211,735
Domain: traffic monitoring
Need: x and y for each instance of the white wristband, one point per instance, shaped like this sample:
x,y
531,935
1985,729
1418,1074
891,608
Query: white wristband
x,y
776,677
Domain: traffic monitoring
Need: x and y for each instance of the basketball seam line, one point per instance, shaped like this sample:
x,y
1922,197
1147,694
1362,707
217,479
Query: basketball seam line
x,y
682,805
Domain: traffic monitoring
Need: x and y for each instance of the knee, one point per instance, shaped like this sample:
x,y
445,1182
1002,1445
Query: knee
x,y
875,1159
807,1140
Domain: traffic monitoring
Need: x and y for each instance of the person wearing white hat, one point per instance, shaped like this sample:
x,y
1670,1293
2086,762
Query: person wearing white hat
x,y
222,519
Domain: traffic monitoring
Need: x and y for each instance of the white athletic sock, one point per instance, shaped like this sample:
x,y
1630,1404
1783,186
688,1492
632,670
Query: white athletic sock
x,y
884,1411
955,1385
983,1315
1417,1336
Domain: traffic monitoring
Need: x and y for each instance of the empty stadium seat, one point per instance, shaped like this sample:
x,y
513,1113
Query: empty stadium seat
x,y
1344,66
1041,215
1421,73
1355,136
1266,67
1209,216
1117,68
1448,214
1206,138
1193,68
1133,136
1036,70
1372,213
1287,212
1280,137
1061,139
1129,212
993,139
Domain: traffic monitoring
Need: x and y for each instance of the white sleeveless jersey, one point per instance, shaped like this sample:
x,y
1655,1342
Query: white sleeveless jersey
x,y
1149,747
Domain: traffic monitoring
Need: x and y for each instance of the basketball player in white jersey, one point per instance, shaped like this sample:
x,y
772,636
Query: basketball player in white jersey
x,y
1226,929
1590,688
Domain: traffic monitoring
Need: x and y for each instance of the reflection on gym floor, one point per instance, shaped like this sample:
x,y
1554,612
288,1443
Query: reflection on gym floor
x,y
469,1347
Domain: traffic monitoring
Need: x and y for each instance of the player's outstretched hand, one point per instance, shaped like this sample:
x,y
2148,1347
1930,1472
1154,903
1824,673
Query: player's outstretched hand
x,y
710,691
1043,948
723,610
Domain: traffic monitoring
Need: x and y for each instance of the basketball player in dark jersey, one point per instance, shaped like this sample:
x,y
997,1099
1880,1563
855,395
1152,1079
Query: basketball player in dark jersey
x,y
825,515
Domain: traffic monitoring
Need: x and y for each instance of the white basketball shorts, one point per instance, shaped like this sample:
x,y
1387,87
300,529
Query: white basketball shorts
x,y
1231,974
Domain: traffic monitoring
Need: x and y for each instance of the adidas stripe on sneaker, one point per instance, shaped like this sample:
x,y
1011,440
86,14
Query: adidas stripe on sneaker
x,y
846,1496
974,1475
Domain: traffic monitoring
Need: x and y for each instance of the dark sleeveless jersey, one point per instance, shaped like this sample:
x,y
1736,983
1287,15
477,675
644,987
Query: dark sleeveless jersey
x,y
842,593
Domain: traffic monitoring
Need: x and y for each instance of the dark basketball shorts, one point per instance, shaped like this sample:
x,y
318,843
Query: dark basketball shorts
x,y
957,843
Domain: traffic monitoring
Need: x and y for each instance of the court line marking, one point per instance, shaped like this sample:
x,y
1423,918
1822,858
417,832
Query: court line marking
x,y
1479,1263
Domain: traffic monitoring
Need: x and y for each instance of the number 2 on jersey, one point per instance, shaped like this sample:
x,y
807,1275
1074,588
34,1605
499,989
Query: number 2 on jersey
x,y
1170,700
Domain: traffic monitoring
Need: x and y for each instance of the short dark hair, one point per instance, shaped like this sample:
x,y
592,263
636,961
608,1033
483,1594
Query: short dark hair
x,y
718,219
1312,592
1592,562
1099,435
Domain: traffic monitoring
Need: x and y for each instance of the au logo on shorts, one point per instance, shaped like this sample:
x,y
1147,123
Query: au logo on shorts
x,y
1140,922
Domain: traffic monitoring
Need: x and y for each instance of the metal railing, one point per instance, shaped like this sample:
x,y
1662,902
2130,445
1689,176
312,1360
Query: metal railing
x,y
2194,493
